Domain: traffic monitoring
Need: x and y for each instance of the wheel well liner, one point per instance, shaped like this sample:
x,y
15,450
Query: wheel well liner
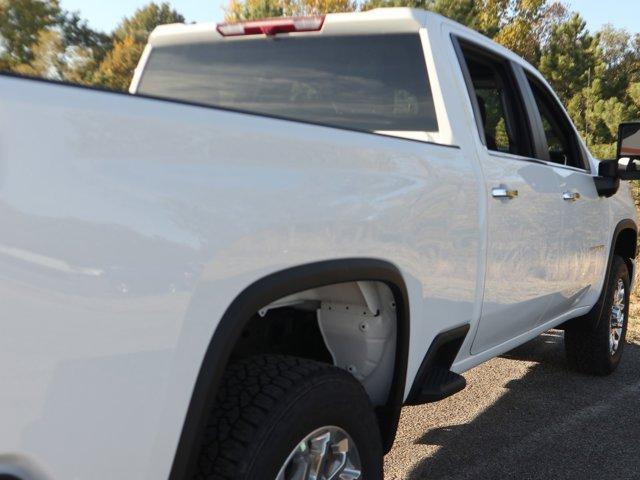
x,y
626,243
267,290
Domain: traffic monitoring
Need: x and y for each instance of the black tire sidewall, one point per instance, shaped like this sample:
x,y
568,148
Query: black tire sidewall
x,y
333,401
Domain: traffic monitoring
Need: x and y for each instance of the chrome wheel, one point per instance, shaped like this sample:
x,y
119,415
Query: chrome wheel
x,y
617,318
328,453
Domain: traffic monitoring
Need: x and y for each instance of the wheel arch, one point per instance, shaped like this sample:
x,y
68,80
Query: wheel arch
x,y
269,289
625,243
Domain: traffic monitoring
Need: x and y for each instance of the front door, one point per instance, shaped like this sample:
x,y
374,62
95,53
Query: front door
x,y
584,226
524,205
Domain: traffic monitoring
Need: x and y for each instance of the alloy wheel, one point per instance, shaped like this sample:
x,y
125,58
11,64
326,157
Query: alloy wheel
x,y
328,453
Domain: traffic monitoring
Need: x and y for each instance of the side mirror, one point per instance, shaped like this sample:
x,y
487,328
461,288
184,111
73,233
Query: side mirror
x,y
608,180
626,166
628,156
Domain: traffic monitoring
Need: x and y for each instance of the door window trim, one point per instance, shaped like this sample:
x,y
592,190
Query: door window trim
x,y
475,107
525,120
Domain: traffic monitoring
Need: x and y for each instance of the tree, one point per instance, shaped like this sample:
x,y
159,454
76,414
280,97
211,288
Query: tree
x,y
144,20
425,4
77,33
620,58
551,15
47,57
116,70
21,22
38,38
634,94
520,25
636,49
524,26
239,10
315,7
520,37
570,57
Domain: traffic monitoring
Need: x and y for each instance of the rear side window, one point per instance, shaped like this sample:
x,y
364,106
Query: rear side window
x,y
363,82
498,107
492,99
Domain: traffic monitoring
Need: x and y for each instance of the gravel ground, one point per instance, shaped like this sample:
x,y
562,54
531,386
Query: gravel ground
x,y
526,416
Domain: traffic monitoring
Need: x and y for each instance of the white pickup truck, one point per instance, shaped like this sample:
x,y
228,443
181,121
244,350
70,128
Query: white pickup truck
x,y
290,230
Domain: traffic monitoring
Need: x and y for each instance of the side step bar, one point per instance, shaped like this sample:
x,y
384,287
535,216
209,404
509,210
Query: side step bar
x,y
435,381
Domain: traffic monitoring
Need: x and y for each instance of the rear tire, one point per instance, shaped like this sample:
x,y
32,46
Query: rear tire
x,y
267,405
594,344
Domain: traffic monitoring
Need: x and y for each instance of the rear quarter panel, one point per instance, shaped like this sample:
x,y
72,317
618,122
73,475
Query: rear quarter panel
x,y
128,226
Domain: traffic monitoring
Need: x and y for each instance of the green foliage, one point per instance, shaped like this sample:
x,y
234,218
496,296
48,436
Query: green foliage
x,y
116,70
620,60
250,9
634,95
77,33
144,20
425,4
21,22
570,57
239,10
47,56
38,38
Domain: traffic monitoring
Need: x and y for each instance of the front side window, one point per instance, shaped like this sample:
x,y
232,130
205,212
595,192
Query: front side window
x,y
360,82
562,144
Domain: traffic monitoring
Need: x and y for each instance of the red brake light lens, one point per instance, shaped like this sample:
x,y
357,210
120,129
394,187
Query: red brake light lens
x,y
272,26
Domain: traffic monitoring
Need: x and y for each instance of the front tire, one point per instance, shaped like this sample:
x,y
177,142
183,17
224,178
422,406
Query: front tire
x,y
276,416
594,344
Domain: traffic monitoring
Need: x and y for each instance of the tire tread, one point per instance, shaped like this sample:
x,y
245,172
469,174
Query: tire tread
x,y
586,339
250,391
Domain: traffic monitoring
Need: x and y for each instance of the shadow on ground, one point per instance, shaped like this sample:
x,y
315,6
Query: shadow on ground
x,y
550,423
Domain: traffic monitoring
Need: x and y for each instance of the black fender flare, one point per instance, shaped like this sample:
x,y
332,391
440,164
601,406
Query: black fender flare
x,y
267,290
626,224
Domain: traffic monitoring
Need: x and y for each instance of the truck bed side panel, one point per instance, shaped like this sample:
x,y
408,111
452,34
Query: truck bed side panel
x,y
119,215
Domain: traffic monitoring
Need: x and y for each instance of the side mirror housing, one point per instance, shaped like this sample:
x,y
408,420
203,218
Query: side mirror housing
x,y
608,180
628,156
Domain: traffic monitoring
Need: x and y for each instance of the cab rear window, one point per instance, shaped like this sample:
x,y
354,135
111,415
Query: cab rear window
x,y
360,82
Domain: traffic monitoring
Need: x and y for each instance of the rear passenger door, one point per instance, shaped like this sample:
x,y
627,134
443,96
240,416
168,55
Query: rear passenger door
x,y
584,213
524,203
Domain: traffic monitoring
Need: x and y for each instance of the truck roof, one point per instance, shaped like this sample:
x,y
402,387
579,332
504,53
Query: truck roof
x,y
379,20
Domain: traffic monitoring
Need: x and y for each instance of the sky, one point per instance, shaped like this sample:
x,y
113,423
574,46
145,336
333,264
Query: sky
x,y
106,14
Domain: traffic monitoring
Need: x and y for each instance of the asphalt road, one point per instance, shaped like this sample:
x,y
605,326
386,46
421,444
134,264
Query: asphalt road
x,y
526,416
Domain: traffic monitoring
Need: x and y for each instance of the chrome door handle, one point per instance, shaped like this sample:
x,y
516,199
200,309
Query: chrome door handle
x,y
501,192
572,196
